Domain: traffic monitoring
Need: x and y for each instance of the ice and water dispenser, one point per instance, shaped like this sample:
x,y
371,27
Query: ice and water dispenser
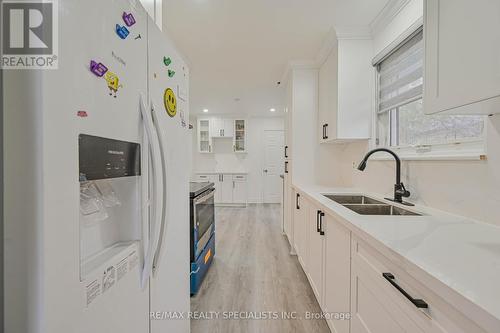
x,y
110,199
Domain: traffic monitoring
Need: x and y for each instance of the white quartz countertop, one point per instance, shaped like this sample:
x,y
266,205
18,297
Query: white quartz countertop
x,y
458,257
214,172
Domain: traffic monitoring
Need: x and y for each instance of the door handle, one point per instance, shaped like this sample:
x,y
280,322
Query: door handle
x,y
286,167
286,151
326,131
419,303
158,166
297,201
323,131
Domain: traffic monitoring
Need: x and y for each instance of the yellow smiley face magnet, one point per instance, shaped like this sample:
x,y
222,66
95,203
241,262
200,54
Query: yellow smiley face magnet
x,y
170,102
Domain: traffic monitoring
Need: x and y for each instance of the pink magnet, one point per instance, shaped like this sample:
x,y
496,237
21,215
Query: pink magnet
x,y
98,68
128,19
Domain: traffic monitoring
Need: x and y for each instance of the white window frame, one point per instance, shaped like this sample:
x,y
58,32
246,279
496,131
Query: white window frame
x,y
472,149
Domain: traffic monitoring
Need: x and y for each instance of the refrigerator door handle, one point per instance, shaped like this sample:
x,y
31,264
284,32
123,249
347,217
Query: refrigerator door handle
x,y
163,224
154,151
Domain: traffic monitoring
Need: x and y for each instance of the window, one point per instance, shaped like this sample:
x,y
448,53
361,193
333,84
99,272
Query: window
x,y
401,122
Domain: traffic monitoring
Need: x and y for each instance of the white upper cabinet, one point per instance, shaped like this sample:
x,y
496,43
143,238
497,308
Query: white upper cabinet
x,y
240,136
462,56
222,128
204,137
345,92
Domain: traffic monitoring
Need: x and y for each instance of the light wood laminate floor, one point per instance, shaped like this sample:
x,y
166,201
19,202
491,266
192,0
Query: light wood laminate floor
x,y
254,272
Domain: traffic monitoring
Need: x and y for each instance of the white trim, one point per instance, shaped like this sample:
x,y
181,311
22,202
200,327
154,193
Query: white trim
x,y
297,64
327,47
354,32
387,14
404,37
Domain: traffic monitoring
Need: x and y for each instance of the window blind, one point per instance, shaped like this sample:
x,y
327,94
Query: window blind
x,y
401,75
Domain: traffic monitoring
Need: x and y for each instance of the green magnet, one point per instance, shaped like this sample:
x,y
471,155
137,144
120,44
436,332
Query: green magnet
x,y
167,61
171,73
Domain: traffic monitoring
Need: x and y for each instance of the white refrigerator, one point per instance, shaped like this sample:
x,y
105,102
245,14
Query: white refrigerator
x,y
97,154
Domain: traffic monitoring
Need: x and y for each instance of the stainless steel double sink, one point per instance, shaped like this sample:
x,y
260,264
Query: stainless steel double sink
x,y
367,206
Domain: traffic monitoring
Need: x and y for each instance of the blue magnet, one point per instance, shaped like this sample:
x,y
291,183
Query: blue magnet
x,y
122,31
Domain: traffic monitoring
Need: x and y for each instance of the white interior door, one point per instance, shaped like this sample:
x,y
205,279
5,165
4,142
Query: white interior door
x,y
273,165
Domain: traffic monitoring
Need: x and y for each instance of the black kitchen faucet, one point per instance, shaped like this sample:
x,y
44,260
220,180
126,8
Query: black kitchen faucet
x,y
399,188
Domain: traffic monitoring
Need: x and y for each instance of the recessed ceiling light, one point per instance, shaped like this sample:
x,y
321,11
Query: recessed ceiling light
x,y
205,110
272,110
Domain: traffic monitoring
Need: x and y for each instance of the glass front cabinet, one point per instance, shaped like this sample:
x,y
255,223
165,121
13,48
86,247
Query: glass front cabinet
x,y
204,138
240,136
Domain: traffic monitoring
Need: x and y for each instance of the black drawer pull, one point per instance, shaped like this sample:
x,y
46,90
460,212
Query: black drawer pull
x,y
419,303
297,201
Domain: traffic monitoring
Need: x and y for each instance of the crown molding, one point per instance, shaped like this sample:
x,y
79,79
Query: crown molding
x,y
387,14
329,44
354,32
297,64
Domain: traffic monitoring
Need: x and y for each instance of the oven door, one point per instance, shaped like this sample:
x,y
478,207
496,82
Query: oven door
x,y
204,220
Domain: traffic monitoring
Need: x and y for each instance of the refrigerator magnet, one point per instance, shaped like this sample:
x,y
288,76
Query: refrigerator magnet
x,y
170,102
171,73
98,68
128,18
167,61
122,31
113,83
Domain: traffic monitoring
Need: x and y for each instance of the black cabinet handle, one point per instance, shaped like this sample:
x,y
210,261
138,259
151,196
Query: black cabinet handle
x,y
286,167
297,201
326,131
286,151
419,303
323,131
317,220
321,231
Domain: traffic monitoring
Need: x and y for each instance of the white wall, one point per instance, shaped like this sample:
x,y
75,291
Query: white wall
x,y
223,158
467,188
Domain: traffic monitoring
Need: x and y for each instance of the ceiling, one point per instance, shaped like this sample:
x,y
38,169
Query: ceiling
x,y
238,49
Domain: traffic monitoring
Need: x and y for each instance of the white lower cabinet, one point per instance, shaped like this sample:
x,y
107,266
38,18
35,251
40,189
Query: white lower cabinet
x,y
379,306
230,189
300,227
226,189
240,189
337,274
316,252
359,289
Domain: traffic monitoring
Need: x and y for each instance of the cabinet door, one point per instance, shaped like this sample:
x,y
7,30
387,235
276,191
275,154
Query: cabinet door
x,y
462,56
300,234
228,128
239,191
315,255
373,309
288,120
218,189
204,136
288,207
217,125
327,97
337,273
240,136
227,189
